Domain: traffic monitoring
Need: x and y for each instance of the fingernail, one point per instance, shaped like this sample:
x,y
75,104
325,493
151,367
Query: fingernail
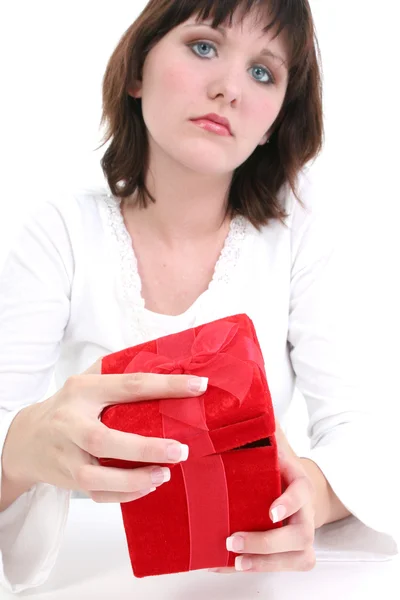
x,y
177,452
278,513
198,384
243,563
235,543
160,475
146,492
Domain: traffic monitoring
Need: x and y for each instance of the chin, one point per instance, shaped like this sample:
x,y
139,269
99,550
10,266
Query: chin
x,y
207,167
205,159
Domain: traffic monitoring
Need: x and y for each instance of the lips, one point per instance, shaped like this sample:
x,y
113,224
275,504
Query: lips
x,y
214,118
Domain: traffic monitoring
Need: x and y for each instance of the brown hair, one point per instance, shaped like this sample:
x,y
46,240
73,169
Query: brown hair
x,y
297,134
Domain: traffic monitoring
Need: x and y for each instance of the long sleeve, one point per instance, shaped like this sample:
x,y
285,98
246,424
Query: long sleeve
x,y
35,287
336,363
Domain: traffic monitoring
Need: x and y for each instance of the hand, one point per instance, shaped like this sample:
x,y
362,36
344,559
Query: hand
x,y
289,548
56,441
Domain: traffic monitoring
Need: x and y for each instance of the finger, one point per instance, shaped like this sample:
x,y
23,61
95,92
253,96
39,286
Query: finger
x,y
296,495
290,561
290,467
106,390
292,537
291,471
119,498
103,442
108,479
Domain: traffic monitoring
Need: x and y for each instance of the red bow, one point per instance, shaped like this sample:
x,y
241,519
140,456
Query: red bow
x,y
217,352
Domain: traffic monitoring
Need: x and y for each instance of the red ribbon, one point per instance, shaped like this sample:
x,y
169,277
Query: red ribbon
x,y
216,352
220,354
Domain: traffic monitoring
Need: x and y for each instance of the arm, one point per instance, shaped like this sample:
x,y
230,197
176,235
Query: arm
x,y
327,506
11,491
333,358
12,487
34,309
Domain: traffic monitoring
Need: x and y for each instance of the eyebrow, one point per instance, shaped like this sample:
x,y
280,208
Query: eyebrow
x,y
222,30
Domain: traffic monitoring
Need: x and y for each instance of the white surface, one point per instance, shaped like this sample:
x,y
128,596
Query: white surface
x,y
94,564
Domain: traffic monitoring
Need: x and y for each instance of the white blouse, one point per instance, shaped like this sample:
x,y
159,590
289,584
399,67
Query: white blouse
x,y
70,292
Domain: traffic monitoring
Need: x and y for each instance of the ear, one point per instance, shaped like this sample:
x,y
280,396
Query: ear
x,y
264,139
135,91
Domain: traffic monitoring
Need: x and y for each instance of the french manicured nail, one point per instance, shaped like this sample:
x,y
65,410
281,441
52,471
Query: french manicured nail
x,y
243,563
235,543
177,452
198,384
146,492
278,513
160,475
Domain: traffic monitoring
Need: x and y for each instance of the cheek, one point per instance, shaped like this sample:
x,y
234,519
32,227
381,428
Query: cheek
x,y
264,112
178,79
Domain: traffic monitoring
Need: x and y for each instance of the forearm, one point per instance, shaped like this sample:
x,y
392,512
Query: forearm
x,y
328,508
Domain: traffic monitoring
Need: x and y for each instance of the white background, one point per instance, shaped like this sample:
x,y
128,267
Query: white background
x,y
53,55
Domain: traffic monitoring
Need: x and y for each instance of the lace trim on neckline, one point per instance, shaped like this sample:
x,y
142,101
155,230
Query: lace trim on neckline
x,y
131,282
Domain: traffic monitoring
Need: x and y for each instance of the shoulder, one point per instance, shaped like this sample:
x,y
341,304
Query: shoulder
x,y
65,224
314,204
316,221
82,201
310,230
70,209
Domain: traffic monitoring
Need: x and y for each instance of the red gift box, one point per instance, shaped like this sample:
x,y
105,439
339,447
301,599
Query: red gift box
x,y
232,474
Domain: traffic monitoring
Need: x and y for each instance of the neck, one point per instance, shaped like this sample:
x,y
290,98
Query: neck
x,y
189,205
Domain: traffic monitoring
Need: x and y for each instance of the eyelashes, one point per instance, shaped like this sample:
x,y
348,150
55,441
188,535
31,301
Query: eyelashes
x,y
203,43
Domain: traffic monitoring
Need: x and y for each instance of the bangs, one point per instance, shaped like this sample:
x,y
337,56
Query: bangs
x,y
287,16
296,134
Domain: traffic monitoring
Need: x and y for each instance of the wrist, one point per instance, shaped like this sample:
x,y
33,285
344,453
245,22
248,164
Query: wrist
x,y
10,492
14,482
14,459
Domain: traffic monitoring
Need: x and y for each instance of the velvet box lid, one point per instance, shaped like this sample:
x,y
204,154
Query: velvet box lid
x,y
232,474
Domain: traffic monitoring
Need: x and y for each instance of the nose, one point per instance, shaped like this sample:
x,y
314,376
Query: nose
x,y
226,85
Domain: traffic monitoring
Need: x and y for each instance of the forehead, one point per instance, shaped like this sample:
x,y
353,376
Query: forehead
x,y
250,24
236,18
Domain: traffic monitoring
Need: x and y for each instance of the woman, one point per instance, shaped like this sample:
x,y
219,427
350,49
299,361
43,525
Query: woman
x,y
213,118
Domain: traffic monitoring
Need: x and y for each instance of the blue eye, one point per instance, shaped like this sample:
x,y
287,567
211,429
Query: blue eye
x,y
201,44
207,45
267,73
